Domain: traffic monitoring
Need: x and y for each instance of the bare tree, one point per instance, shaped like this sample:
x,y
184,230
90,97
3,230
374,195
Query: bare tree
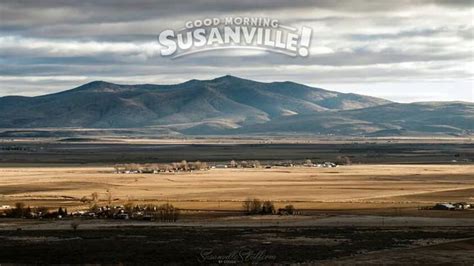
x,y
19,211
95,197
109,196
128,207
345,159
256,206
85,199
168,213
247,205
252,206
256,164
117,168
268,207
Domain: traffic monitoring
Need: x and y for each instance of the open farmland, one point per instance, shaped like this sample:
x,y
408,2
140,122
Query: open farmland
x,y
364,212
355,187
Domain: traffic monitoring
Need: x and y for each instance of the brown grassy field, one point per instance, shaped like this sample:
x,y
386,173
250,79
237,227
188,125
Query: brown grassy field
x,y
359,213
389,188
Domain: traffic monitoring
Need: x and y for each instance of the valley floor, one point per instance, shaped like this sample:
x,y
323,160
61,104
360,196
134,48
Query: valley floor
x,y
368,214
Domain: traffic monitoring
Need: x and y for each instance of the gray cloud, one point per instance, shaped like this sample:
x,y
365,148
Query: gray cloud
x,y
48,45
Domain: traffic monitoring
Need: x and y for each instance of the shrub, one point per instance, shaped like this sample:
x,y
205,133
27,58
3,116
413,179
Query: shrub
x,y
256,206
290,209
95,196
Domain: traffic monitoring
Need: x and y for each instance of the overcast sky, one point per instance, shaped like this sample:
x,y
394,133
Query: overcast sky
x,y
401,50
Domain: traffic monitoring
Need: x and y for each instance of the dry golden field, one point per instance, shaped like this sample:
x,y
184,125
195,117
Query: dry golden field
x,y
366,213
361,187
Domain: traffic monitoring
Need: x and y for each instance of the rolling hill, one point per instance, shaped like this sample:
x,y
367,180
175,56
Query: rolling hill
x,y
231,105
394,119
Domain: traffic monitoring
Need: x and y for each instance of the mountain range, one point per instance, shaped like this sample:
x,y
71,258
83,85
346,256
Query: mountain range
x,y
231,105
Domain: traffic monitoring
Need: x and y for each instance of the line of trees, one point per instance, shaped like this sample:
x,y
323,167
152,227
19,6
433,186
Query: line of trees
x,y
167,213
245,164
161,167
255,206
164,213
22,211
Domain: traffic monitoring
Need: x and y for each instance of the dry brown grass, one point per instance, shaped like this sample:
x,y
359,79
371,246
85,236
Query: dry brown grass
x,y
349,187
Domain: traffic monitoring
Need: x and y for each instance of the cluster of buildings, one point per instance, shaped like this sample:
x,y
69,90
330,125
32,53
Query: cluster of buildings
x,y
323,165
185,166
164,213
241,164
106,212
257,164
